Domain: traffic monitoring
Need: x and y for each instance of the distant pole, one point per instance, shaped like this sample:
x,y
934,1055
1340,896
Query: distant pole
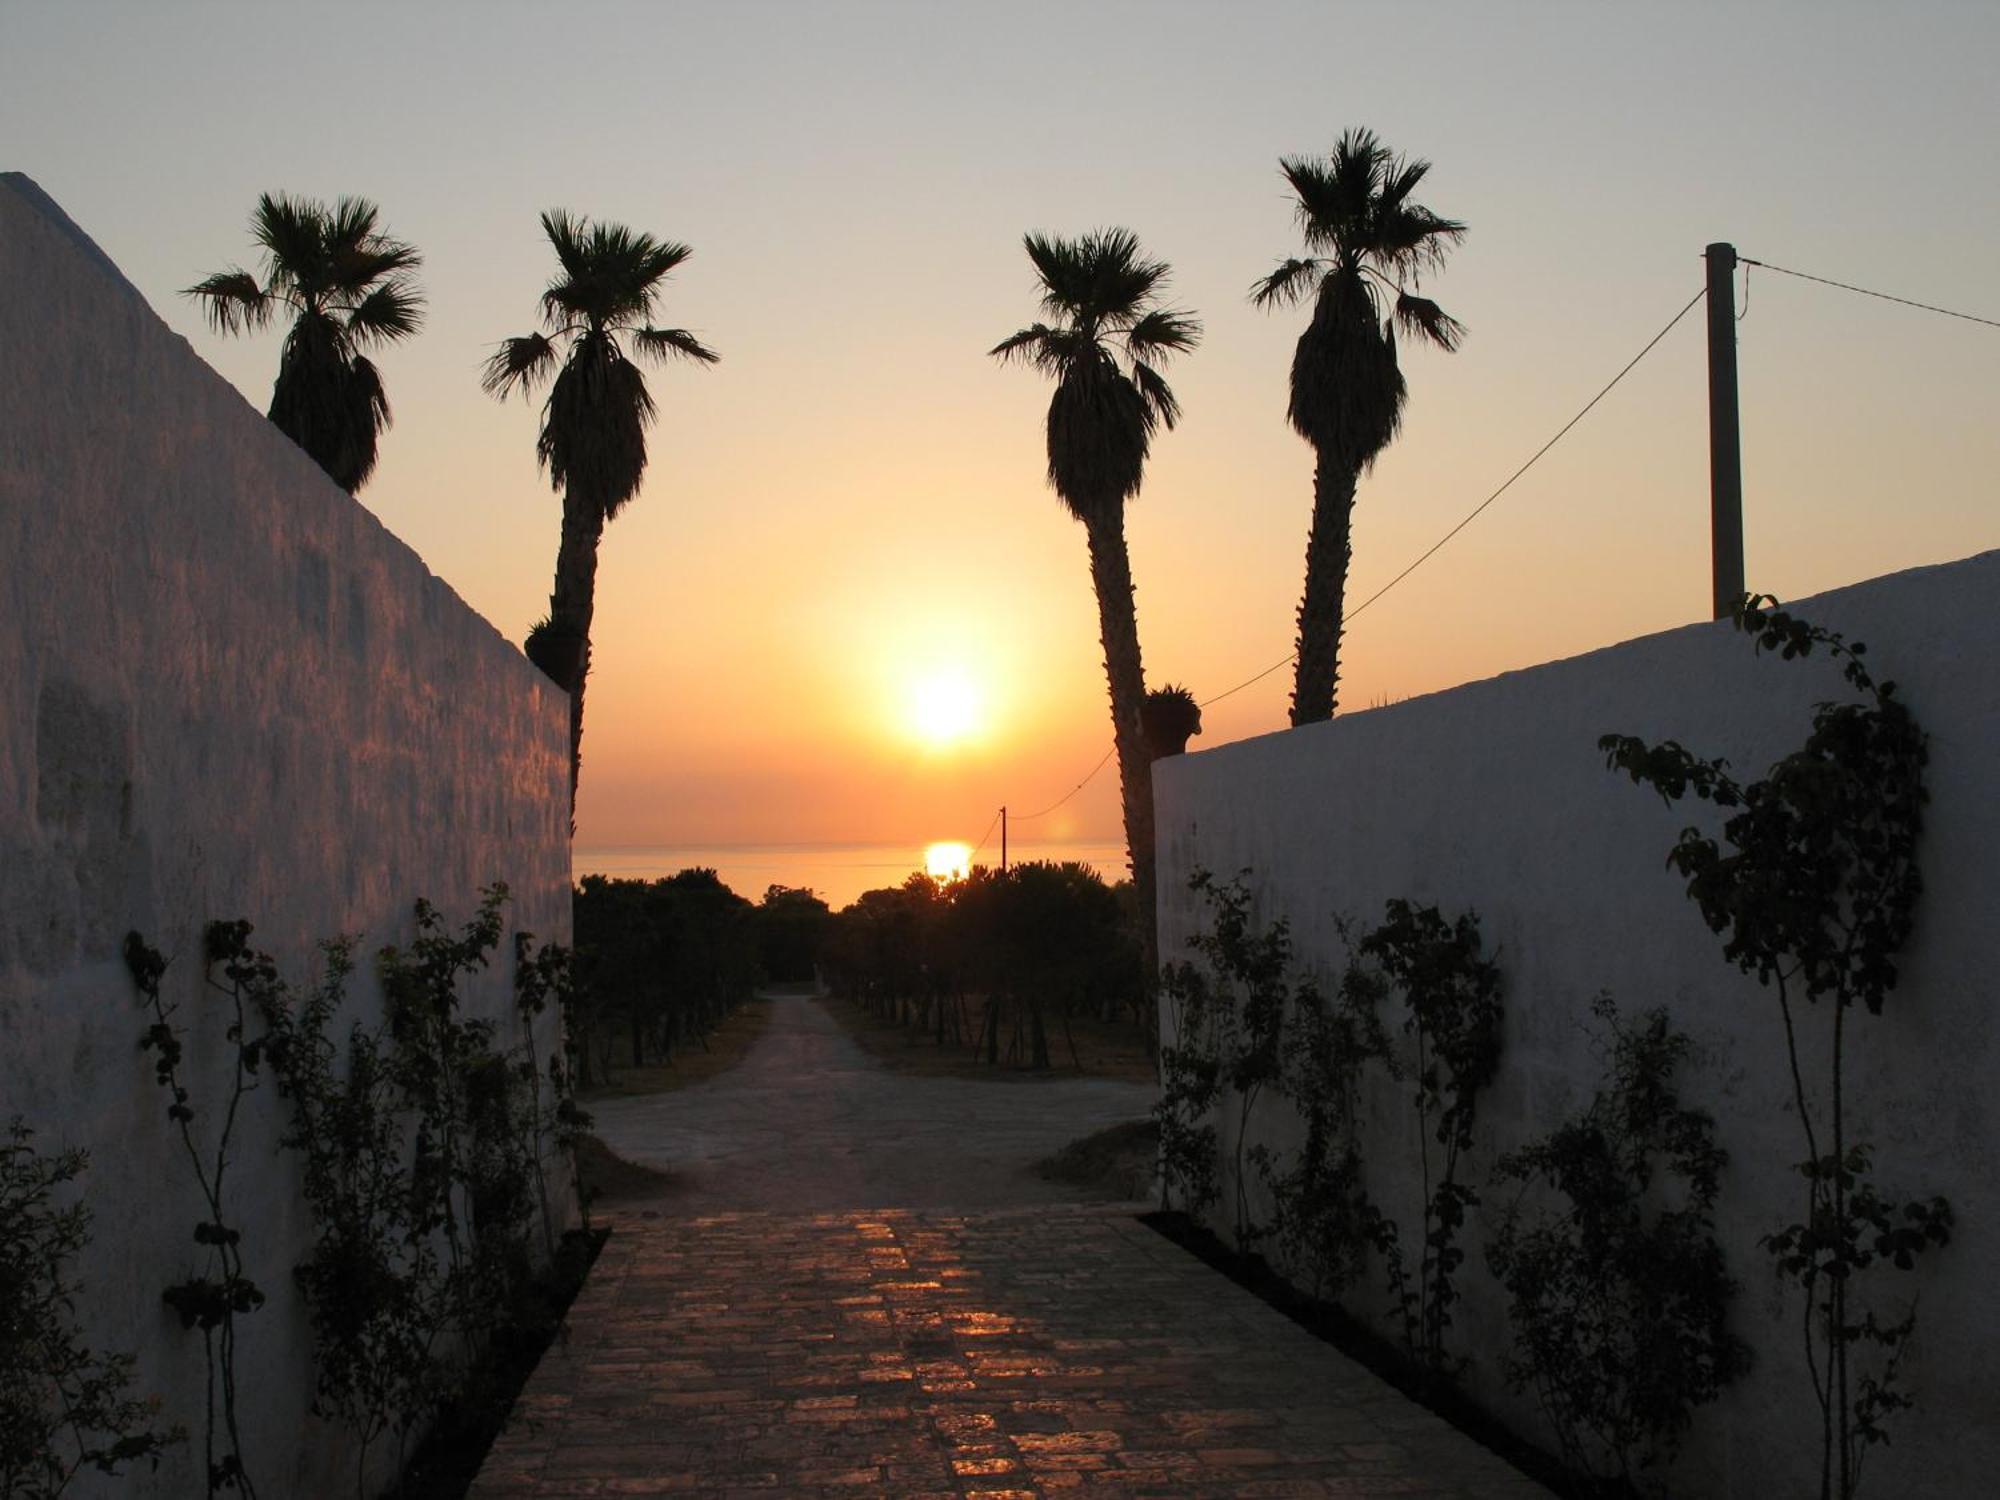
x,y
1003,839
1725,441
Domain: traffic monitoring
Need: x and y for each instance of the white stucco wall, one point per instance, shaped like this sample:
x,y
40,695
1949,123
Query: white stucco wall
x,y
1494,797
225,690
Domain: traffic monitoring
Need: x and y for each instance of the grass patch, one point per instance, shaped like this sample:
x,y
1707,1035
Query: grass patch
x,y
1114,1049
1117,1163
722,1049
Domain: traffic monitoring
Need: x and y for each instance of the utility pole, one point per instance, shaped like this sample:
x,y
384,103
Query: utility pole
x,y
1003,839
1725,442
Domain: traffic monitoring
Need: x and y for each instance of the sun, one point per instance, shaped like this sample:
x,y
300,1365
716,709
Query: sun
x,y
947,861
944,707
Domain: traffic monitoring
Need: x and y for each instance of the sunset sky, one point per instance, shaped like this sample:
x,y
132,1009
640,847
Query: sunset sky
x,y
853,503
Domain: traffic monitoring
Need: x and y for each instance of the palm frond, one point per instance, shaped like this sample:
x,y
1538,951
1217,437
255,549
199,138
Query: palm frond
x,y
610,274
565,232
1421,316
1400,178
655,258
393,310
350,224
1162,332
1059,266
1023,345
357,254
661,342
519,363
291,232
1289,284
1162,407
231,301
1413,240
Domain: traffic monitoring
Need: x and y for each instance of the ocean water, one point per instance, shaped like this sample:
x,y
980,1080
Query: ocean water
x,y
837,872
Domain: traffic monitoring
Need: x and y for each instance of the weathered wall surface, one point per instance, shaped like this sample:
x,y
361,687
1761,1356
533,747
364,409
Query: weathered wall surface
x,y
1494,797
225,690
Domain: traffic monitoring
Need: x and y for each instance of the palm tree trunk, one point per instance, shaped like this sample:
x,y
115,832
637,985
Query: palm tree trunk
x,y
1316,681
573,604
1118,624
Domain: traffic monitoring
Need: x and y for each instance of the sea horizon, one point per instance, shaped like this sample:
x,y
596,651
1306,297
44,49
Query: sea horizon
x,y
837,871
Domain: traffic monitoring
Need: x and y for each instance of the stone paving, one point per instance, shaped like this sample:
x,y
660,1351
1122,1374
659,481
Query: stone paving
x,y
1059,1350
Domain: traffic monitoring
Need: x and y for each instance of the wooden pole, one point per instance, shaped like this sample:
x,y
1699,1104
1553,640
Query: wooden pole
x,y
1725,441
1003,840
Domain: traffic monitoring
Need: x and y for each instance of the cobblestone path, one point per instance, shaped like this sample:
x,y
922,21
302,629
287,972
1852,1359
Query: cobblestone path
x,y
1056,1351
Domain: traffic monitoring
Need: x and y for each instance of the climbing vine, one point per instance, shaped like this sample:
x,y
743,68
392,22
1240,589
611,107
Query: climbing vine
x,y
421,1145
64,1407
1618,1293
1451,997
543,977
1322,1216
1812,887
221,1292
1201,1026
371,1281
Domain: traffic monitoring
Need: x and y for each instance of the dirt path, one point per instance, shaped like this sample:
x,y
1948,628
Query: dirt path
x,y
807,1121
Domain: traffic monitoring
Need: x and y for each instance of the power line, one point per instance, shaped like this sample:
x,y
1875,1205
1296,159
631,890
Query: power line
x,y
1864,291
1030,817
982,841
1473,514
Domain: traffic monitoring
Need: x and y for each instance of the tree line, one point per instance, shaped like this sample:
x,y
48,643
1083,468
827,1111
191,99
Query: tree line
x,y
998,963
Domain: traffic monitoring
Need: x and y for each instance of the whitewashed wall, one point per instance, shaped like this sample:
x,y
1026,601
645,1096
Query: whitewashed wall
x,y
1494,797
225,690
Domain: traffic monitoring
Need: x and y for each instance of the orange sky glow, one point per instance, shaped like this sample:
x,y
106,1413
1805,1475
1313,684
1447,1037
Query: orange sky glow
x,y
845,604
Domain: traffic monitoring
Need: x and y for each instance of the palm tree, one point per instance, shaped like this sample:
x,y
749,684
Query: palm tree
x,y
349,286
593,437
1365,240
1101,295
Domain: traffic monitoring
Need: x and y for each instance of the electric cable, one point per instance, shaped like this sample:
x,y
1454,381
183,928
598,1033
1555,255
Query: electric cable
x,y
1864,291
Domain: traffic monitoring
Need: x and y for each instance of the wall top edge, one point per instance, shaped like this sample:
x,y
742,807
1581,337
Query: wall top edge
x,y
35,200
1816,607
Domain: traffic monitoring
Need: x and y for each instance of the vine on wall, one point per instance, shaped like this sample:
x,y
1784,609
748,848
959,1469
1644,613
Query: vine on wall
x,y
1812,887
1451,997
1618,1293
422,1148
213,1298
1322,1216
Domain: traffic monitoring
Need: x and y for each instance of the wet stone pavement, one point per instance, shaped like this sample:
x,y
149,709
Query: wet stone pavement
x,y
1052,1349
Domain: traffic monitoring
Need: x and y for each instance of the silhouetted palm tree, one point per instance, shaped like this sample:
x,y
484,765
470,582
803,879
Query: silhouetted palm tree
x,y
1366,239
593,438
350,287
1101,295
